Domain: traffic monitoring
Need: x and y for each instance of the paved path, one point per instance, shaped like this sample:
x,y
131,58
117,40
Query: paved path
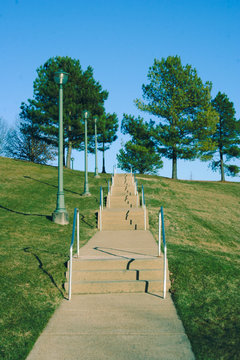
x,y
121,326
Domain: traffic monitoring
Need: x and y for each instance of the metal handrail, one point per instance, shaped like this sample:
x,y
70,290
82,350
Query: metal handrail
x,y
143,197
108,196
75,220
161,231
100,208
144,209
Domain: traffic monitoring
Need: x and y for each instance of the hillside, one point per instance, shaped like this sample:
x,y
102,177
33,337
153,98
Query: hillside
x,y
202,231
203,235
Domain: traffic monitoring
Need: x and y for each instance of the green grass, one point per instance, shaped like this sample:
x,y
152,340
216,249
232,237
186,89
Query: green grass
x,y
202,232
203,236
34,250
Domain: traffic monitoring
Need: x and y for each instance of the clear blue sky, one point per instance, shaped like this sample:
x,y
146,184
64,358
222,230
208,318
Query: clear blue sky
x,y
120,40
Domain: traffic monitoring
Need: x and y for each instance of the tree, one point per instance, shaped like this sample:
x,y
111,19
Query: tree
x,y
3,134
81,92
107,127
141,152
23,142
179,98
226,136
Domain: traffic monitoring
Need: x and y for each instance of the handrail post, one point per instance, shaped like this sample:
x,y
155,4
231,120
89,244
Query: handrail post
x,y
75,219
159,233
100,210
70,275
145,218
78,233
165,256
108,196
102,197
165,272
144,209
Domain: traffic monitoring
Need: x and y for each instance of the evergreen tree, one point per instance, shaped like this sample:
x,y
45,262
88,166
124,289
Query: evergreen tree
x,y
3,135
226,136
140,153
178,97
81,92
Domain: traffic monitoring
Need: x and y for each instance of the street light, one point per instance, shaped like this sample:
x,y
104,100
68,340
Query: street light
x,y
96,164
72,159
60,215
86,190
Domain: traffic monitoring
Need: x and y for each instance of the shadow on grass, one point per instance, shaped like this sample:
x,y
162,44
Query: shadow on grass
x,y
54,186
26,214
85,222
27,250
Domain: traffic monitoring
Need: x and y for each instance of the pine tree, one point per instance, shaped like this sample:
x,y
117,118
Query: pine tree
x,y
81,92
226,136
107,127
178,97
141,152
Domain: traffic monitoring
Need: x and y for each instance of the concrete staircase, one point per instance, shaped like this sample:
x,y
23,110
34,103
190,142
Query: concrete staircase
x,y
101,276
123,211
122,258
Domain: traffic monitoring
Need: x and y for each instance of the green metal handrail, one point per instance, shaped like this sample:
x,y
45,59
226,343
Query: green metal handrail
x,y
161,231
75,222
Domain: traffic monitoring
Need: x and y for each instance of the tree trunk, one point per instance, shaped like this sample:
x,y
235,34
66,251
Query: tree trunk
x,y
174,165
222,166
69,153
103,166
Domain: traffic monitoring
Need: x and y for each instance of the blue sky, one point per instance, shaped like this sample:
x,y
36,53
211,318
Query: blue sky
x,y
120,40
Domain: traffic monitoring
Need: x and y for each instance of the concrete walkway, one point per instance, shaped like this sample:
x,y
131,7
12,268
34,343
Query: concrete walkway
x,y
115,326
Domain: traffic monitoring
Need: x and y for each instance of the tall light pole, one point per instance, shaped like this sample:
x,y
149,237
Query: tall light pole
x,y
86,189
96,162
60,215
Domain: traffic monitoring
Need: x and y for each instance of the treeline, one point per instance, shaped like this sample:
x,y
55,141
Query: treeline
x,y
35,138
190,123
187,124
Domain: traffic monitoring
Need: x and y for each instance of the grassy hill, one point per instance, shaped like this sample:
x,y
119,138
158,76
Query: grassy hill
x,y
202,232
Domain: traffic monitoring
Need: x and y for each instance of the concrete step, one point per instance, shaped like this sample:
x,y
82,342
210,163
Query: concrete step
x,y
122,199
123,190
123,212
132,203
118,264
124,286
122,219
122,227
115,275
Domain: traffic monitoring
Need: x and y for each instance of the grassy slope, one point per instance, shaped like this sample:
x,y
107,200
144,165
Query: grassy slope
x,y
203,235
33,250
202,229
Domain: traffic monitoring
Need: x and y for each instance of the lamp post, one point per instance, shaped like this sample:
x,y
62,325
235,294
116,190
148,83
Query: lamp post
x,y
86,190
96,163
60,215
72,159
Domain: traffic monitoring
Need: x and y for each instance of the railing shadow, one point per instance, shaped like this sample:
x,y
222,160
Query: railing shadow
x,y
25,214
85,222
27,250
121,250
97,248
